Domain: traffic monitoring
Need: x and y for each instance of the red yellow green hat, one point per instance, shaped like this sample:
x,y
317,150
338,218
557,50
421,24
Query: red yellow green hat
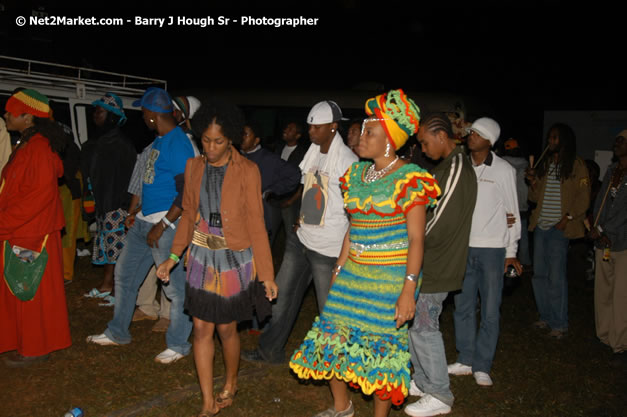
x,y
397,113
30,102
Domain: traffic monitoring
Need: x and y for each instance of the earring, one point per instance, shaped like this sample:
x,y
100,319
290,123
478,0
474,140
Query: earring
x,y
152,120
387,150
333,130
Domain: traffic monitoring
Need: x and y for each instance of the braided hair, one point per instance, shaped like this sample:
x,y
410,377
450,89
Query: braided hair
x,y
438,121
567,152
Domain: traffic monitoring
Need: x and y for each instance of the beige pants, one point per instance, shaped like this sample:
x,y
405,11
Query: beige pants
x,y
147,297
610,299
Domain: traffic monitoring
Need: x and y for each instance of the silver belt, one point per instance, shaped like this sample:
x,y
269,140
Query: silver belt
x,y
360,247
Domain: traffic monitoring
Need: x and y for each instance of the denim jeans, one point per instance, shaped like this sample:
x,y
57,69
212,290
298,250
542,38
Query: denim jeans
x,y
133,264
550,286
483,278
300,265
426,347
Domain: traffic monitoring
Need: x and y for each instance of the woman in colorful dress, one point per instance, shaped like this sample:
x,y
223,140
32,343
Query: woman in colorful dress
x,y
360,339
32,217
222,222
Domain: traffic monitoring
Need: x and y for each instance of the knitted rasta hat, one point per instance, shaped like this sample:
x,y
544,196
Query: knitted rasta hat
x,y
397,113
28,101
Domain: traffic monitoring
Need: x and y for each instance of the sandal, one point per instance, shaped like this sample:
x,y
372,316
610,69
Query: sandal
x,y
225,398
95,293
209,413
109,301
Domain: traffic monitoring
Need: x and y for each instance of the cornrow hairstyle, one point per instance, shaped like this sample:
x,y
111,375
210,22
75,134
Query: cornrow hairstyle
x,y
567,152
438,121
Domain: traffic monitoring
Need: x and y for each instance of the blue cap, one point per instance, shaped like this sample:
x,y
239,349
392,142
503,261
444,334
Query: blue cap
x,y
112,103
155,99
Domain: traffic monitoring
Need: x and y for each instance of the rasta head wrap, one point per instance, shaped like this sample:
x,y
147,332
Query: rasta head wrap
x,y
28,101
187,105
397,113
113,104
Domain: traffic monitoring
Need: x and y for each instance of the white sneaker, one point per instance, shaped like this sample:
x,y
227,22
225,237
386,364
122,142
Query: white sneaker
x,y
459,369
414,391
427,406
101,339
483,379
168,356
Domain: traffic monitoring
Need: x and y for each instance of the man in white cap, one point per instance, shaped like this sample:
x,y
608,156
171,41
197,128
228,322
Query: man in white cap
x,y
492,250
310,253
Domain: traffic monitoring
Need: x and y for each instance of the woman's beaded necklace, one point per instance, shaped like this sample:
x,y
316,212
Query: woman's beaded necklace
x,y
372,174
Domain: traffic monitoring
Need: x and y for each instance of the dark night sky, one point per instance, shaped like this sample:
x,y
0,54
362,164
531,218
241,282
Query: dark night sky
x,y
523,60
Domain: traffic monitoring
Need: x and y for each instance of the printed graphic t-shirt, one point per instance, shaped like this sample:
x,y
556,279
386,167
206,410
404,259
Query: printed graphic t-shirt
x,y
167,159
323,220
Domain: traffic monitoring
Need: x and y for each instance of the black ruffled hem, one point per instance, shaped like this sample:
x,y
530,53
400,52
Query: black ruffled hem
x,y
213,308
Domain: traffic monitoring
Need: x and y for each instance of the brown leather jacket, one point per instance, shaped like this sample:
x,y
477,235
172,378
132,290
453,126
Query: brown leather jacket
x,y
241,210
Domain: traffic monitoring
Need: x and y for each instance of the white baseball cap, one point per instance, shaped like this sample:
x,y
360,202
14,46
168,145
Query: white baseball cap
x,y
325,112
487,128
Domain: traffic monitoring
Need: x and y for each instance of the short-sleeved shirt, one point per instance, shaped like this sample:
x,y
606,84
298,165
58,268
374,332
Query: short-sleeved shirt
x,y
323,219
167,159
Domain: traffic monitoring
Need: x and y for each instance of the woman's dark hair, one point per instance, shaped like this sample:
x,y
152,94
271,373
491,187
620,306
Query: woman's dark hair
x,y
567,152
228,116
435,122
52,131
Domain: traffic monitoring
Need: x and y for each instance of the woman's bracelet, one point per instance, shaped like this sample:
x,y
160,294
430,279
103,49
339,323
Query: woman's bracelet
x,y
411,277
336,269
174,257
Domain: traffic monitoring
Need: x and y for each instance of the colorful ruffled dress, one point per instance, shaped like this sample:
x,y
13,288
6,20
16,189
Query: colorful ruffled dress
x,y
355,338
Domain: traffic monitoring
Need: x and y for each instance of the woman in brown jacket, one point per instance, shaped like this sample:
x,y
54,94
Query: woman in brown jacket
x,y
222,222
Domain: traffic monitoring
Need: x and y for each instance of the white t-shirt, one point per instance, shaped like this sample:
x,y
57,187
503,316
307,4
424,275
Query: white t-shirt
x,y
323,220
287,151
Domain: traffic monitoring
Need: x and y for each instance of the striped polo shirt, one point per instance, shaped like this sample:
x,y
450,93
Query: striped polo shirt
x,y
551,213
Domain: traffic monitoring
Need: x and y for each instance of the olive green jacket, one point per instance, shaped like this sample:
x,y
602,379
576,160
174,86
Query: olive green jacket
x,y
448,225
575,198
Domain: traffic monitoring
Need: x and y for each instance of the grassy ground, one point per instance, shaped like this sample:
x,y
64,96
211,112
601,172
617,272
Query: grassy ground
x,y
533,375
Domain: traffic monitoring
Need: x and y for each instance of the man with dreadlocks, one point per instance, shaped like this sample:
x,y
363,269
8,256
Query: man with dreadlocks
x,y
32,219
561,188
360,339
446,249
